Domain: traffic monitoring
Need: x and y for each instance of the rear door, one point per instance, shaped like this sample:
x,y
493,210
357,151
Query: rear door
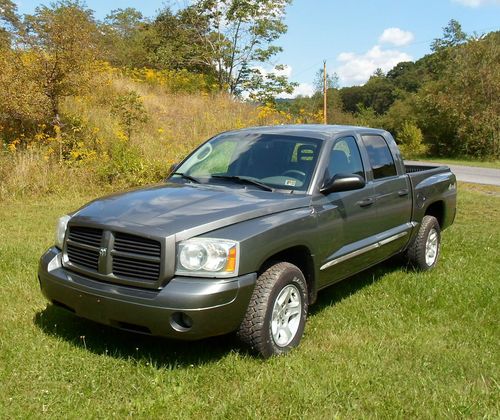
x,y
392,194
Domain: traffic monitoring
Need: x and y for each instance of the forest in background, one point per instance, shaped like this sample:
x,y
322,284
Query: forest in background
x,y
444,104
87,103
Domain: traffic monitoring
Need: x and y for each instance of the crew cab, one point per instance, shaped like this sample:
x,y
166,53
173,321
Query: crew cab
x,y
246,231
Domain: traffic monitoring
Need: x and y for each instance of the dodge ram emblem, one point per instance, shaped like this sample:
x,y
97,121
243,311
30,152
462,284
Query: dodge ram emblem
x,y
103,252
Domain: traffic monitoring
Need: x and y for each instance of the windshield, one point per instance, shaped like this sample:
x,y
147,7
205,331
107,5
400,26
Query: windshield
x,y
279,162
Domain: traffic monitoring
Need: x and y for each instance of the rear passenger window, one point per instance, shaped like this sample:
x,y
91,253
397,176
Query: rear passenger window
x,y
380,157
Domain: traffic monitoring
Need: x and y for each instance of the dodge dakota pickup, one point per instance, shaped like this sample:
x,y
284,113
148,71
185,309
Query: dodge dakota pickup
x,y
244,233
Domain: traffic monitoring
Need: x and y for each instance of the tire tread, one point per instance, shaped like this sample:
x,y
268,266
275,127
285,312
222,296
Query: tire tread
x,y
251,331
416,251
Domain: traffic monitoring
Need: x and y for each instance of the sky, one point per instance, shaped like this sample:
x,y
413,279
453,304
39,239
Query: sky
x,y
355,37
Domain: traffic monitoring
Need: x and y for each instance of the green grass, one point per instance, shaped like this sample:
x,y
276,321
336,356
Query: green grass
x,y
388,343
495,164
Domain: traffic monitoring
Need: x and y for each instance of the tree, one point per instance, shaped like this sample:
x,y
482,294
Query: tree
x,y
264,86
470,92
452,36
377,94
62,39
124,35
332,81
410,140
22,101
459,111
443,48
176,41
353,96
240,36
10,24
130,111
405,76
23,104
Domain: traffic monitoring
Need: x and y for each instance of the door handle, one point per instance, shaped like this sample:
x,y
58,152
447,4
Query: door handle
x,y
366,202
403,192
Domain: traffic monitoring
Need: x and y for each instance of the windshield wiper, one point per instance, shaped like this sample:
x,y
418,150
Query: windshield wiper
x,y
245,181
188,177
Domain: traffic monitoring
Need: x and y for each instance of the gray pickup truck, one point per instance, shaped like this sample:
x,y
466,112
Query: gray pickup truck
x,y
246,231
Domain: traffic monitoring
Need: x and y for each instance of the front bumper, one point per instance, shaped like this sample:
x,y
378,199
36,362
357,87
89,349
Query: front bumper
x,y
186,308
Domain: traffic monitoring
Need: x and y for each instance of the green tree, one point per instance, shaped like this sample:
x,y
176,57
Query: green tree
x,y
130,112
453,35
177,41
443,48
62,38
241,35
368,117
265,86
10,23
405,76
125,37
470,92
332,81
458,109
378,94
23,104
410,140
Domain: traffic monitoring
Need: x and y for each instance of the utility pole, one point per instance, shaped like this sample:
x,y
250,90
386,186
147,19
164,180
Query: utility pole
x,y
324,92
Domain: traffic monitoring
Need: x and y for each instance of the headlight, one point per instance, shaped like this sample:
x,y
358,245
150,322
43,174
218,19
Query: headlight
x,y
207,257
62,224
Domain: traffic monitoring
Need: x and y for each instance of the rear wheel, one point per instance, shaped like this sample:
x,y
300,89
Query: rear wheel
x,y
276,316
423,252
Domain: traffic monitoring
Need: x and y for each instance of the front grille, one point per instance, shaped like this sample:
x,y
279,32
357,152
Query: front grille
x,y
136,269
84,235
114,256
83,247
83,257
136,245
136,258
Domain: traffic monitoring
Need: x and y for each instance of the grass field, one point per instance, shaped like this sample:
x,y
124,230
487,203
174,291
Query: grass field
x,y
388,343
495,164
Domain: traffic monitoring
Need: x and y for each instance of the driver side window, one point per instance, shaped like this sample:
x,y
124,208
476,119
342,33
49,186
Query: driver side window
x,y
345,158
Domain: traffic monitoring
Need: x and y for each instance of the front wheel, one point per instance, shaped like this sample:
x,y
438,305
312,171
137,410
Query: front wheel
x,y
276,316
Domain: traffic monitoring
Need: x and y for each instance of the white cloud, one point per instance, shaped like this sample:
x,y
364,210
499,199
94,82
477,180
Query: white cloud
x,y
477,3
357,68
286,71
396,36
303,89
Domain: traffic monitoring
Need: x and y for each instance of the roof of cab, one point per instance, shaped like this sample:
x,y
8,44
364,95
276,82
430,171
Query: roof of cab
x,y
319,131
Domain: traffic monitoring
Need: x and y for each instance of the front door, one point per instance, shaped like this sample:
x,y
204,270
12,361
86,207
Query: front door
x,y
347,219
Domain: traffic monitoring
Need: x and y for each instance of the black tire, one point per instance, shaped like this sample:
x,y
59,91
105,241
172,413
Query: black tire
x,y
417,251
256,329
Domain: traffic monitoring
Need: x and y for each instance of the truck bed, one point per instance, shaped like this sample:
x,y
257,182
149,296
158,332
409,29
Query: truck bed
x,y
411,168
429,182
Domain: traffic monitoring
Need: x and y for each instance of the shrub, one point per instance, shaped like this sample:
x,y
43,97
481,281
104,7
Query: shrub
x,y
130,112
126,167
410,140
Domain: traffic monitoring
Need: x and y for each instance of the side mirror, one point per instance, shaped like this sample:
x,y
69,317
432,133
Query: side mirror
x,y
343,182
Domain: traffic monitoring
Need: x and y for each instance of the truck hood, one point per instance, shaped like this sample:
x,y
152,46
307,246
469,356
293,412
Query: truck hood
x,y
185,210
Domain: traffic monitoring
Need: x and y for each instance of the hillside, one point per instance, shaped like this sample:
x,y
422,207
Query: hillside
x,y
127,130
92,104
